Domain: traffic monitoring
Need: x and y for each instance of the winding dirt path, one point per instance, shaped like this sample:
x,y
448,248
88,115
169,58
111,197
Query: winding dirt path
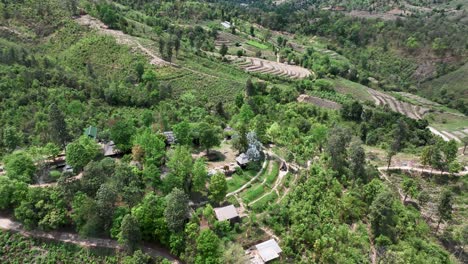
x,y
415,169
10,225
52,184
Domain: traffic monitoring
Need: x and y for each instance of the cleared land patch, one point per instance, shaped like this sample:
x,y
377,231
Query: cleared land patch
x,y
303,98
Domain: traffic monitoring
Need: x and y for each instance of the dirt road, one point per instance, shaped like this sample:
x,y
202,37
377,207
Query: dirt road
x,y
10,225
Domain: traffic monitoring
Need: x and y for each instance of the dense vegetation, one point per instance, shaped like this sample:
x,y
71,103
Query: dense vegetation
x,y
58,78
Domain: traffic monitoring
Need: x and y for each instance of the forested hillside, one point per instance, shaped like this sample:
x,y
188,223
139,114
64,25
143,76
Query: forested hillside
x,y
211,131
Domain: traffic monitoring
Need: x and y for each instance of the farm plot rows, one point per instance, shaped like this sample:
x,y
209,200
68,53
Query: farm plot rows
x,y
318,101
411,111
257,65
414,112
227,39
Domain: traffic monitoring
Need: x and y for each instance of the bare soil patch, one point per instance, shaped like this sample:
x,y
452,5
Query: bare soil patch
x,y
303,98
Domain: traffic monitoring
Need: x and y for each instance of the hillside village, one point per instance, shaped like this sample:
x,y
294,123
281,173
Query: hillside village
x,y
233,132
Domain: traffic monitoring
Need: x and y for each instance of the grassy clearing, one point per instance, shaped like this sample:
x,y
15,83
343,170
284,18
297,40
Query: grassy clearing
x,y
263,203
446,121
253,193
355,90
257,44
271,177
238,180
453,82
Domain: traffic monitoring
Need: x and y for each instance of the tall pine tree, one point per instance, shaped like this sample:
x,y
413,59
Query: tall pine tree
x,y
58,126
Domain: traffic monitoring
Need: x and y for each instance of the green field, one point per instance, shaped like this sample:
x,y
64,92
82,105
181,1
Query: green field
x,y
448,88
271,177
237,180
356,90
263,203
257,44
254,192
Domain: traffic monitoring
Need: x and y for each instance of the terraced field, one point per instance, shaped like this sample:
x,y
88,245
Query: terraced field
x,y
411,111
251,64
318,101
227,39
416,112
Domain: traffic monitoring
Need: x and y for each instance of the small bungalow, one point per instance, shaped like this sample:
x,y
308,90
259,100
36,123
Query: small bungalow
x,y
91,132
226,213
170,137
242,160
226,24
267,251
110,149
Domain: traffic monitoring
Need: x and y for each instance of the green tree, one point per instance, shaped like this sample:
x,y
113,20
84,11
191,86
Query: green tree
x,y
199,175
150,216
81,151
106,197
234,254
129,184
423,198
129,235
426,155
58,127
180,166
239,141
218,187
252,31
249,88
382,215
20,166
208,250
177,209
152,145
182,133
12,192
410,187
84,215
209,136
338,141
352,111
52,150
465,143
95,174
152,175
121,133
223,50
450,151
357,160
445,207
390,154
11,138
138,257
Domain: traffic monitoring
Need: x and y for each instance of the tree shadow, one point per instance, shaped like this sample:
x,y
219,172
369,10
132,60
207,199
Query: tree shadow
x,y
215,155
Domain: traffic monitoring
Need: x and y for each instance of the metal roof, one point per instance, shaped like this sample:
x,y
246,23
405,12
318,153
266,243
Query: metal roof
x,y
226,213
91,131
268,250
242,159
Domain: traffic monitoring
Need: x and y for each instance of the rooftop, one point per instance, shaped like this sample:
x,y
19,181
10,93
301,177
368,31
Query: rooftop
x,y
268,250
91,132
226,212
242,159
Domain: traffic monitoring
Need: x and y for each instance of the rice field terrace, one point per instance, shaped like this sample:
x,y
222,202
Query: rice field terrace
x,y
262,66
